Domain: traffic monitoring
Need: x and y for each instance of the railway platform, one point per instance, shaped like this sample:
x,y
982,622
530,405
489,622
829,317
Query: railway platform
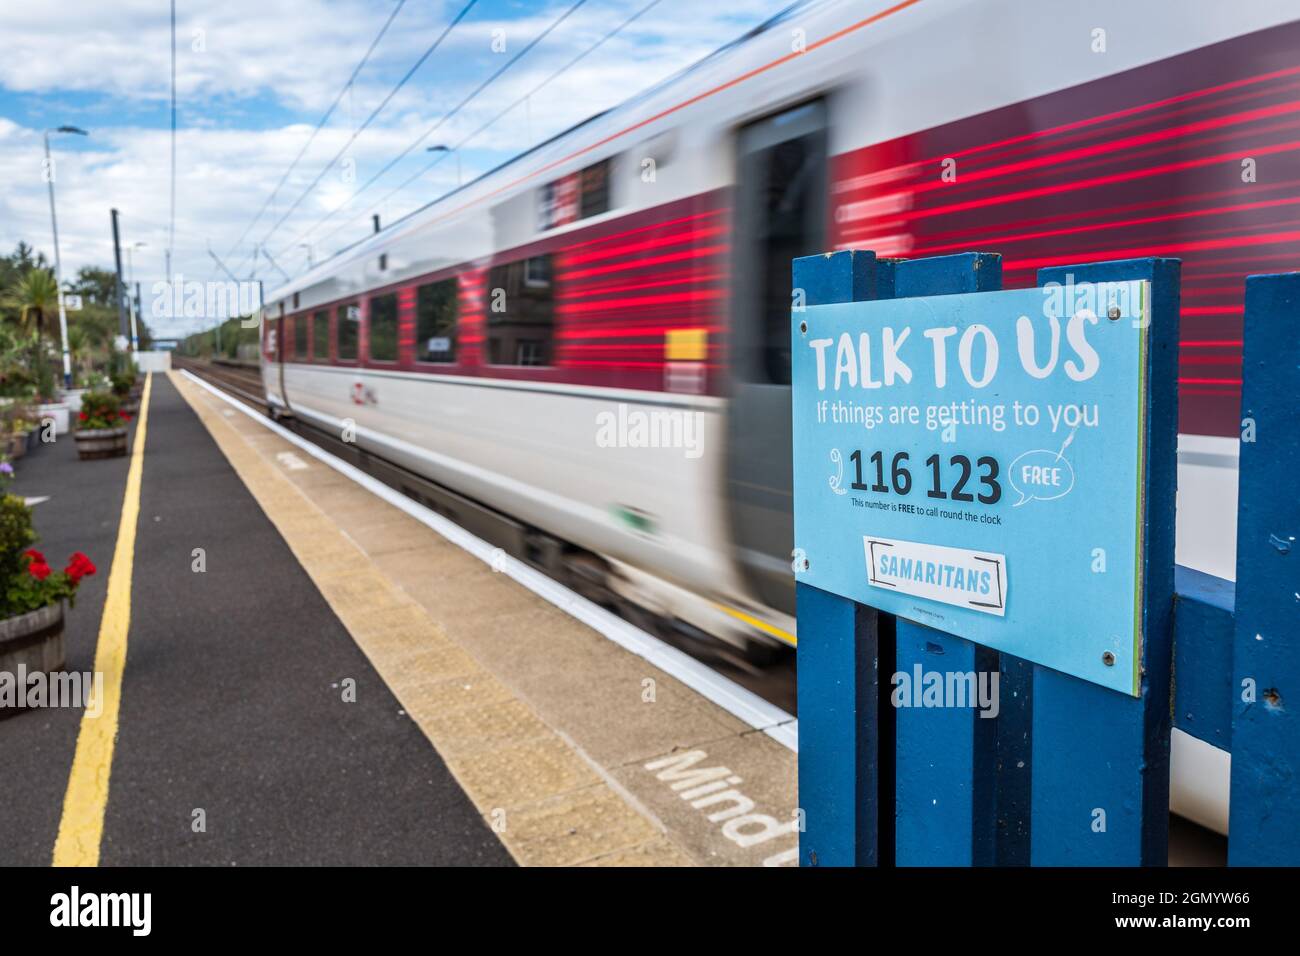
x,y
300,669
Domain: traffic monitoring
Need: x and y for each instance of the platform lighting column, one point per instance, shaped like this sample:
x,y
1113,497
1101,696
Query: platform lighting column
x,y
130,279
58,265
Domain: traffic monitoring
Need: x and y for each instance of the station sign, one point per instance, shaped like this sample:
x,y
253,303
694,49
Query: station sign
x,y
975,463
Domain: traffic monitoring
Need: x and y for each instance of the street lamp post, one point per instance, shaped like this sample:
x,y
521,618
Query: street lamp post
x,y
443,148
130,279
58,264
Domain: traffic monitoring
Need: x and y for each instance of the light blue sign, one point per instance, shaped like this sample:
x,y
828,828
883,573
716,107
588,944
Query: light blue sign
x,y
975,463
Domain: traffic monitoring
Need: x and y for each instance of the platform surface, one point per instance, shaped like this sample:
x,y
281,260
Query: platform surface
x,y
341,684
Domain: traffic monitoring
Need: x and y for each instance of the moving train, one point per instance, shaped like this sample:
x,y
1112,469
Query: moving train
x,y
589,345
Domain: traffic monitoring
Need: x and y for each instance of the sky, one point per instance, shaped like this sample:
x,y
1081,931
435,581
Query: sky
x,y
253,80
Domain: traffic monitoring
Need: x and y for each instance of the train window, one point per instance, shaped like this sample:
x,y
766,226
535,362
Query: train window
x,y
383,328
595,189
300,336
521,312
348,318
537,272
782,195
320,336
578,195
436,309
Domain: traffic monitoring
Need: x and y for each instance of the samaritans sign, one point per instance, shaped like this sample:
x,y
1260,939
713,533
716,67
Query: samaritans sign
x,y
975,463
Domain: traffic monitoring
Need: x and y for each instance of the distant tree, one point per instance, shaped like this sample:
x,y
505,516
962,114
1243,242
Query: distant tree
x,y
95,286
24,259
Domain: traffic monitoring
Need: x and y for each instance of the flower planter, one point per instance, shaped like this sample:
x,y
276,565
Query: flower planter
x,y
131,405
57,411
32,641
100,442
16,445
72,397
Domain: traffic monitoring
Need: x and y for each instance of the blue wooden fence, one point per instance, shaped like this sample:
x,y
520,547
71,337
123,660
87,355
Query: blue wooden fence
x,y
942,786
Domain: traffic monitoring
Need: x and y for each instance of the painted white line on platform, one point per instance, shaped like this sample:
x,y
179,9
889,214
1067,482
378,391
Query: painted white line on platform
x,y
726,693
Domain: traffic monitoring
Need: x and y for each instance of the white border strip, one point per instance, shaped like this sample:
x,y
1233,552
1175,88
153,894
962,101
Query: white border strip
x,y
726,693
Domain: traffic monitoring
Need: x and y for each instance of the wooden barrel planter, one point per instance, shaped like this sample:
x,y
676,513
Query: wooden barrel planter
x,y
17,445
101,442
30,643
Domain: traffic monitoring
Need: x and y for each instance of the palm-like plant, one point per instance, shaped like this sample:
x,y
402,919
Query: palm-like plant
x,y
80,347
15,358
35,296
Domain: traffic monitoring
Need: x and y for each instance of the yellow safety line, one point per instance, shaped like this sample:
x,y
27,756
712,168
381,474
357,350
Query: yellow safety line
x,y
755,622
82,825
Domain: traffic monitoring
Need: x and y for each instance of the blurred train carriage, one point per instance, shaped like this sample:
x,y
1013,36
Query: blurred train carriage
x,y
641,262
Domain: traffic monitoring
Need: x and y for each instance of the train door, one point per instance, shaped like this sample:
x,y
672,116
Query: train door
x,y
780,214
277,349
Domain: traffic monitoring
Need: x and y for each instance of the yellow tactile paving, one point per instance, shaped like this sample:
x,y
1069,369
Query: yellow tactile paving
x,y
662,852
545,724
575,827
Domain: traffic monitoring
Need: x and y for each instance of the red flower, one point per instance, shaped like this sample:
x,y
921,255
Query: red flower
x,y
83,416
35,555
39,570
78,567
124,416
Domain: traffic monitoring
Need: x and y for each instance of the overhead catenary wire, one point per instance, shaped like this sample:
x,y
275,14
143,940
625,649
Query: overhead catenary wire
x,y
522,99
443,119
429,51
171,233
356,71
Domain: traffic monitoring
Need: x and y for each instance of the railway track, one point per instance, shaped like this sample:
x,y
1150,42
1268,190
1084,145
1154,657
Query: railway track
x,y
774,682
241,381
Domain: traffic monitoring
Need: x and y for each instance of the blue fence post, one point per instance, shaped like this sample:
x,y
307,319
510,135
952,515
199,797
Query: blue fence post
x,y
1265,803
837,657
950,780
1101,758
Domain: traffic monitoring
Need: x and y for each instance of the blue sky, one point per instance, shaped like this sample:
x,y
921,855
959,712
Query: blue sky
x,y
255,76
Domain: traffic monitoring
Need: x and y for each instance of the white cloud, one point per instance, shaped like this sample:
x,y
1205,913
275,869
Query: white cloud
x,y
292,57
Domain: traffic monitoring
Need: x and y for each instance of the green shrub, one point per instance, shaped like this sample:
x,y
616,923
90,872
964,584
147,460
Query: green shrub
x,y
122,385
16,534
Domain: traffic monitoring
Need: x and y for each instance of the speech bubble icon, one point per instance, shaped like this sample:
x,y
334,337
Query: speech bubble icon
x,y
1043,474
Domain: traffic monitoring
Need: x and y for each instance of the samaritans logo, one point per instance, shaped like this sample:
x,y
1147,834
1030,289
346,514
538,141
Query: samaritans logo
x,y
972,579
